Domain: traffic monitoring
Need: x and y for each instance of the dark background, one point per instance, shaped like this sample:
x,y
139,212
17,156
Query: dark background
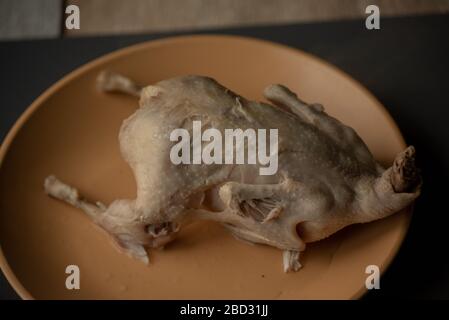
x,y
405,65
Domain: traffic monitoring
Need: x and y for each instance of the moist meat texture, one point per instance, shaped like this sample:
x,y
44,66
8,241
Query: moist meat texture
x,y
326,179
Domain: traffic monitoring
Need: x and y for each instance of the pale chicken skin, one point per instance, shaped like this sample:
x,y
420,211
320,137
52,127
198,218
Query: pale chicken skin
x,y
326,177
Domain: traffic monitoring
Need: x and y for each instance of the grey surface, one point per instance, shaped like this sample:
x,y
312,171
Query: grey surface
x,y
34,19
405,64
118,16
21,19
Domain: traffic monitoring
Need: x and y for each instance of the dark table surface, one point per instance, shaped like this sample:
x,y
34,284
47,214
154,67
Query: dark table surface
x,y
405,64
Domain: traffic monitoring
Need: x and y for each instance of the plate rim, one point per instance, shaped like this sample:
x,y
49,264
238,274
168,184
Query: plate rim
x,y
79,71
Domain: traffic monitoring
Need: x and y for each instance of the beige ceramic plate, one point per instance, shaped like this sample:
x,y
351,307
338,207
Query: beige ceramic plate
x,y
71,131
